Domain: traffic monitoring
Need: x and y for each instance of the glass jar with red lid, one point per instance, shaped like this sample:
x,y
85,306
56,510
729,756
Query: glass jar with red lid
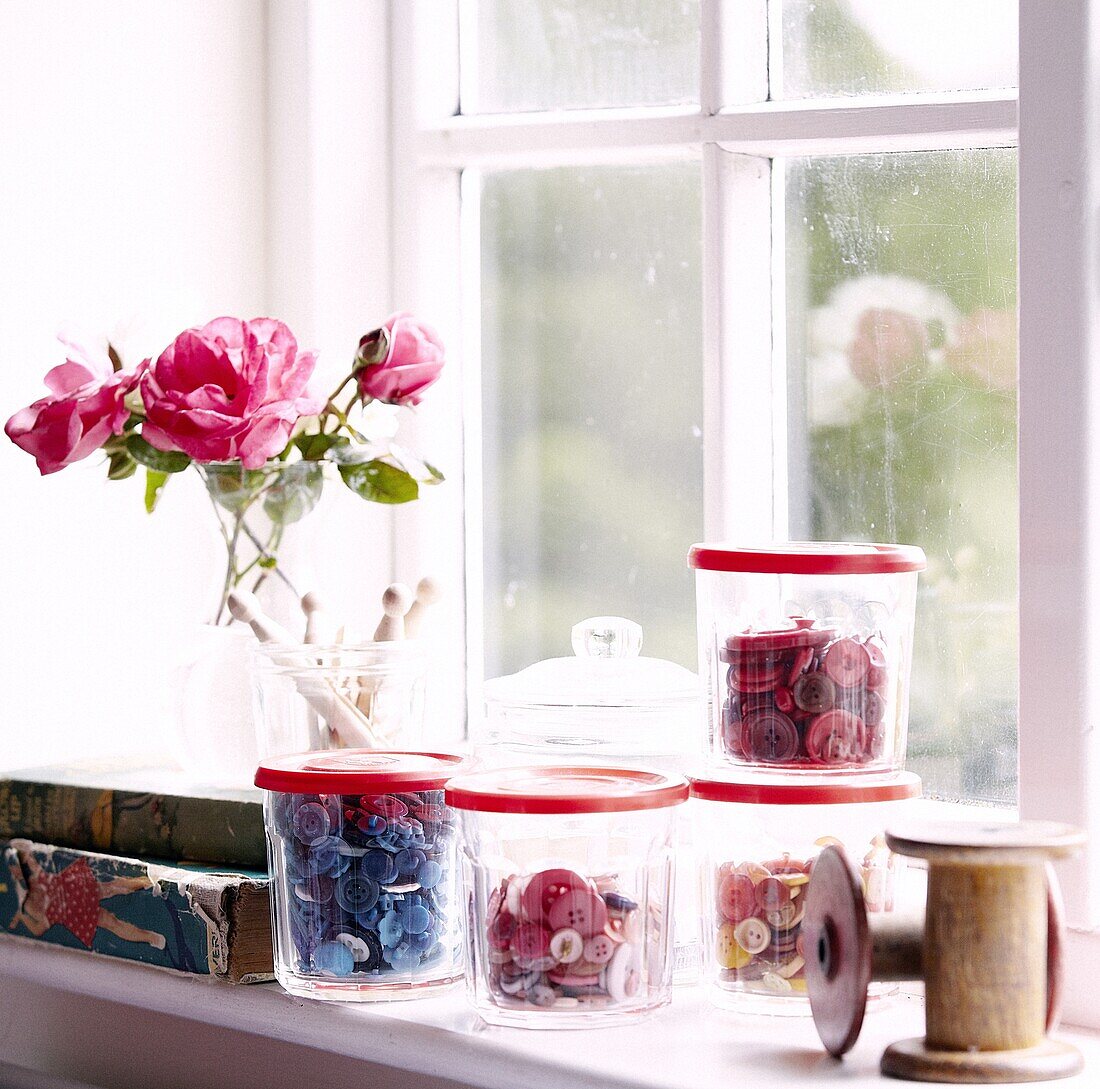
x,y
362,853
758,836
568,882
805,650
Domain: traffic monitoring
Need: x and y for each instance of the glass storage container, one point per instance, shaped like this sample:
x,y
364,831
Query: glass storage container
x,y
758,837
362,854
805,651
605,705
568,881
346,695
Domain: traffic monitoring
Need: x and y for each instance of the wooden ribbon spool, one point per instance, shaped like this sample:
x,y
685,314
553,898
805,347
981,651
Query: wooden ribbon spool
x,y
988,950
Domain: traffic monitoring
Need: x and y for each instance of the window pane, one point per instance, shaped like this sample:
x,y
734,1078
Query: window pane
x,y
573,54
592,402
859,47
902,381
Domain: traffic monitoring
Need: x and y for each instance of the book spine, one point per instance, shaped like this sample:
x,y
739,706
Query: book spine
x,y
122,822
119,907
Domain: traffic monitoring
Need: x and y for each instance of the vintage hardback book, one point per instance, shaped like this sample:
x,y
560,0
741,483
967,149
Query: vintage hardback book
x,y
133,810
180,916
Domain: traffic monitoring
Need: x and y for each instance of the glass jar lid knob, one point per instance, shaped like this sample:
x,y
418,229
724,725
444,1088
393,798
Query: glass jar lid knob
x,y
607,637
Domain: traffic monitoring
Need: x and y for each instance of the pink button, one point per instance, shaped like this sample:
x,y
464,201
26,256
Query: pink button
x,y
598,949
545,888
581,909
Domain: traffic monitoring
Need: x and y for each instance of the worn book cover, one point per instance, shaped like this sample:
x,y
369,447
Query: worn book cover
x,y
189,918
133,810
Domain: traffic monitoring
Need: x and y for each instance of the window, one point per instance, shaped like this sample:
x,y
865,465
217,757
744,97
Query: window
x,y
715,286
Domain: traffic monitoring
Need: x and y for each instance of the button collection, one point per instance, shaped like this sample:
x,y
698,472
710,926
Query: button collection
x,y
368,882
557,940
758,916
805,696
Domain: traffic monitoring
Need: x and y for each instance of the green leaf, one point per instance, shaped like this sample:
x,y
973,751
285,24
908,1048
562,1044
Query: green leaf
x,y
295,493
347,453
154,486
268,563
315,447
436,475
120,465
164,461
379,482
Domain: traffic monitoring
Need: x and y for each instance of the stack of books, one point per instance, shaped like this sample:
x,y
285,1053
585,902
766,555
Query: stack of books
x,y
131,862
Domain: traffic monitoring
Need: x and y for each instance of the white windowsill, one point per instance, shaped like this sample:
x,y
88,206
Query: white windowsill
x,y
690,1044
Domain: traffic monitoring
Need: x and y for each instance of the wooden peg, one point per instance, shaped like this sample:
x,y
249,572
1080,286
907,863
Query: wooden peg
x,y
428,592
988,950
244,607
317,624
395,604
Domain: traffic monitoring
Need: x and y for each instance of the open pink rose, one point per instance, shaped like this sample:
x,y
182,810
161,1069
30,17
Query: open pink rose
x,y
232,390
887,343
412,363
84,408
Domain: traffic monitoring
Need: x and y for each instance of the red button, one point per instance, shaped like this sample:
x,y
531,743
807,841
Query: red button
x,y
770,737
847,662
784,701
802,661
545,888
772,894
501,930
580,909
737,897
874,708
836,737
814,692
531,941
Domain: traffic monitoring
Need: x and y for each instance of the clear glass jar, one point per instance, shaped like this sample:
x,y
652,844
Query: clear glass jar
x,y
362,857
605,705
759,835
568,881
363,695
805,649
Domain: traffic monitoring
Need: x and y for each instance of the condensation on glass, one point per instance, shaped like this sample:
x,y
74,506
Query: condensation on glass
x,y
861,47
901,289
592,406
529,55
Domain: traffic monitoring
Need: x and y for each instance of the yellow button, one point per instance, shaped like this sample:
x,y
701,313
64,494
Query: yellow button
x,y
728,952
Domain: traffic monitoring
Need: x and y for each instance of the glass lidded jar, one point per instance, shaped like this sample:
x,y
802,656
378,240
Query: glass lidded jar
x,y
805,651
605,705
758,836
568,882
362,853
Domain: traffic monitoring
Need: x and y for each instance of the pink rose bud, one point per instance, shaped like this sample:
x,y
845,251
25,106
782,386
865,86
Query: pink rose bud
x,y
84,409
232,390
411,362
887,343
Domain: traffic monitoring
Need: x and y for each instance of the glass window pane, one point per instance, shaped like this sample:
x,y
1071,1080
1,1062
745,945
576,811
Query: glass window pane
x,y
902,383
860,47
592,405
522,55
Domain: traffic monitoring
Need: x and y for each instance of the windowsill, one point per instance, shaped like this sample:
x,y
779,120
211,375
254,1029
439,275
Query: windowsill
x,y
690,1044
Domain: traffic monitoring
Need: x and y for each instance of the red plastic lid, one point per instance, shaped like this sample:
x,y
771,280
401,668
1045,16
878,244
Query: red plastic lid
x,y
565,790
774,789
809,558
356,771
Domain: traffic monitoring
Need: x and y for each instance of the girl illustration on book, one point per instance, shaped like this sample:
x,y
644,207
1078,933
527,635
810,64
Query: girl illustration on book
x,y
71,898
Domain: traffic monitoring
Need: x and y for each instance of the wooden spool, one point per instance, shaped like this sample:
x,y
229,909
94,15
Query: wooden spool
x,y
988,950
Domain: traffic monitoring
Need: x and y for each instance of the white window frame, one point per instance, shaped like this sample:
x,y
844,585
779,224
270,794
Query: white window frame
x,y
743,304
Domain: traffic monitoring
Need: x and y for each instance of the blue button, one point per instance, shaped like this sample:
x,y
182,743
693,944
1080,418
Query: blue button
x,y
311,822
410,860
390,929
378,866
429,874
355,893
416,919
332,956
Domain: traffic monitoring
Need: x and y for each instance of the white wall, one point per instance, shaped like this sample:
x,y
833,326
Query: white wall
x,y
132,182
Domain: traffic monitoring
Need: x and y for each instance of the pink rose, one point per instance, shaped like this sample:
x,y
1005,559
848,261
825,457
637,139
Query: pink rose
x,y
984,348
887,343
232,390
84,408
412,362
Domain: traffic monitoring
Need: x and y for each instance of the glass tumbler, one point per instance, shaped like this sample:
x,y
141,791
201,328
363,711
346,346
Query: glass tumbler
x,y
568,880
362,857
